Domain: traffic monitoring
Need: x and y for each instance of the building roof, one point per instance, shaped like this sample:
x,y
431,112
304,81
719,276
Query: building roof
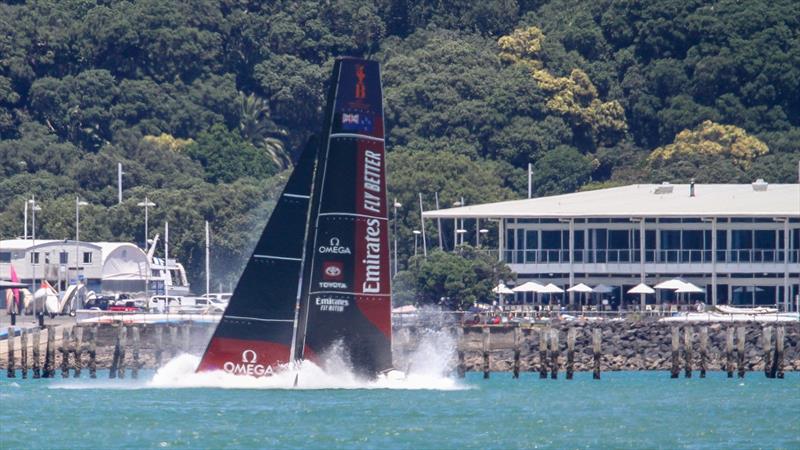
x,y
646,200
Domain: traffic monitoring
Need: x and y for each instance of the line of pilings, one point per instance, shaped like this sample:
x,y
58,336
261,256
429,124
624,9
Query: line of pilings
x,y
78,350
689,351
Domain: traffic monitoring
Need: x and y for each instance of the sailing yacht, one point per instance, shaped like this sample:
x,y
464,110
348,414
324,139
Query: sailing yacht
x,y
319,275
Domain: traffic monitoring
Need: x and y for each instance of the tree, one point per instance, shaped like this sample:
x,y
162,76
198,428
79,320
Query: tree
x,y
712,139
457,279
560,171
226,157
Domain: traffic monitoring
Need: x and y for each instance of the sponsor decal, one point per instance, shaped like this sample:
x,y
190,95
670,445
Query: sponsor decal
x,y
361,89
331,304
332,275
372,259
335,247
332,270
354,121
248,366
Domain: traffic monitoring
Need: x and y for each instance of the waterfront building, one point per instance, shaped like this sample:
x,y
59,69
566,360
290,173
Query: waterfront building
x,y
107,267
739,242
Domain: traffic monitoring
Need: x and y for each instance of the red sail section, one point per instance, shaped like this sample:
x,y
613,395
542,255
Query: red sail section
x,y
244,357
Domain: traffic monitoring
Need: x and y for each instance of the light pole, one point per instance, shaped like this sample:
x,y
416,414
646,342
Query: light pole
x,y
395,205
34,254
416,240
461,232
456,204
478,236
146,204
78,204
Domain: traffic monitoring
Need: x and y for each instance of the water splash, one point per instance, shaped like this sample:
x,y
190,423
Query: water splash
x,y
427,369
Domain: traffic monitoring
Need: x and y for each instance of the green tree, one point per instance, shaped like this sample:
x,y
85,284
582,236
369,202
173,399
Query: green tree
x,y
226,157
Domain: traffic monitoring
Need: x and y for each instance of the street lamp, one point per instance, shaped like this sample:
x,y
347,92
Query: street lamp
x,y
416,240
478,236
461,232
395,205
34,259
78,204
456,204
146,204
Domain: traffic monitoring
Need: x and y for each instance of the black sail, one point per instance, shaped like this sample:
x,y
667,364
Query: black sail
x,y
346,284
256,331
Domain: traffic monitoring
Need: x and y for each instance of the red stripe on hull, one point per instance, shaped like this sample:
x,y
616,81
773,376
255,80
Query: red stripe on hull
x,y
243,357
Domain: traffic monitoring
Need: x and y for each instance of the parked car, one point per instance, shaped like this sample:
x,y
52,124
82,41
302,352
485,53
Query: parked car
x,y
166,303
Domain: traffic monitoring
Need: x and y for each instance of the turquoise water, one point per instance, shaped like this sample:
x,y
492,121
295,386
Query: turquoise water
x,y
623,410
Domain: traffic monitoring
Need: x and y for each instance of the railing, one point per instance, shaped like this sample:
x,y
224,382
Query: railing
x,y
633,256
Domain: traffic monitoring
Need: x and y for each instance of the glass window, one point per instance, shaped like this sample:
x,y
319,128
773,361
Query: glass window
x,y
764,295
742,239
87,257
34,257
670,239
551,240
765,239
63,258
693,239
618,239
5,257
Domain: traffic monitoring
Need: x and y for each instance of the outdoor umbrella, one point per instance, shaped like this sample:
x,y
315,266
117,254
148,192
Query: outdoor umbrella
x,y
671,285
551,288
529,286
689,289
501,289
582,288
641,288
602,289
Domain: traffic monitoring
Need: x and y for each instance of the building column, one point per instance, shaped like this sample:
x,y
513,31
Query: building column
x,y
501,238
642,275
786,293
714,261
571,260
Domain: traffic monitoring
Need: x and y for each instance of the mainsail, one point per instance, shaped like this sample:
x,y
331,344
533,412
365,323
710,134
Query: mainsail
x,y
346,283
255,332
319,276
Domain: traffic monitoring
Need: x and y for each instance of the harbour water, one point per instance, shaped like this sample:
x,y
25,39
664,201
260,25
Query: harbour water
x,y
170,409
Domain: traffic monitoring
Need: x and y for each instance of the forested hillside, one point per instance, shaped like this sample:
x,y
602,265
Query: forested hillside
x,y
206,102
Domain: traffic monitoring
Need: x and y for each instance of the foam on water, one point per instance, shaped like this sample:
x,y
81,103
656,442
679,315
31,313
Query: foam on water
x,y
427,368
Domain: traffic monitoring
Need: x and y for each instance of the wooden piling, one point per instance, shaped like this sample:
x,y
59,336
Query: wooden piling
x,y
36,353
135,366
740,338
554,353
516,352
688,339
64,349
77,352
112,373
123,333
23,353
676,345
12,372
50,354
703,351
729,351
780,336
543,352
597,339
186,338
570,352
173,340
159,344
486,344
766,346
92,349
